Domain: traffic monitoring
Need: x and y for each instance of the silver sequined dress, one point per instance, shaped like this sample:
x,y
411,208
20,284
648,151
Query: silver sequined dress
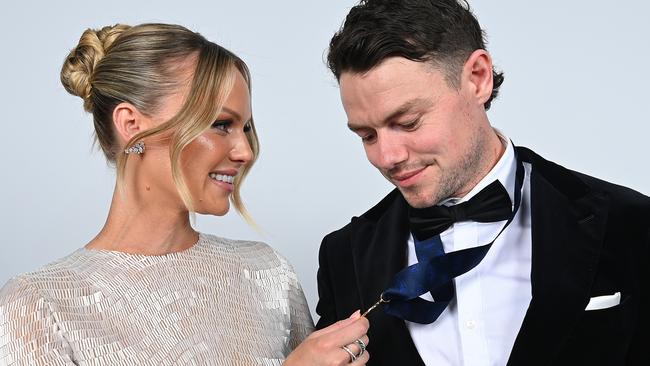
x,y
220,302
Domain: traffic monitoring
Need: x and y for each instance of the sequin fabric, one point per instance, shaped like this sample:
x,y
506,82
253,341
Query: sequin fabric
x,y
220,302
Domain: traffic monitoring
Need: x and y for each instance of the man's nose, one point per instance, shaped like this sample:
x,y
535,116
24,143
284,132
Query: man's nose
x,y
388,152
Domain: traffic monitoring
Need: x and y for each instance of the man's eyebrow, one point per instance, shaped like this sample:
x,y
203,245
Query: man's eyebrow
x,y
406,107
354,127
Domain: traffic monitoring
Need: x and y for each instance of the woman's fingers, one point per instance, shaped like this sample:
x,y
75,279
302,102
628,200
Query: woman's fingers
x,y
356,347
362,360
325,347
346,337
348,334
339,324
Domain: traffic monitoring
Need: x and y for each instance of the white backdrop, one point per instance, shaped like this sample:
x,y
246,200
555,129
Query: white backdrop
x,y
576,91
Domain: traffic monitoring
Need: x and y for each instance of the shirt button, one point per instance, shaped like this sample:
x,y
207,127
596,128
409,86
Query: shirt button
x,y
470,324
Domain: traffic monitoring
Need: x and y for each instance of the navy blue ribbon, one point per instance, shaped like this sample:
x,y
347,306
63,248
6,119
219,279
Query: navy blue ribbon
x,y
435,271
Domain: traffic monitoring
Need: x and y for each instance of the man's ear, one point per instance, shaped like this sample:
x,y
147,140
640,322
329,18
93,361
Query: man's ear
x,y
128,121
477,75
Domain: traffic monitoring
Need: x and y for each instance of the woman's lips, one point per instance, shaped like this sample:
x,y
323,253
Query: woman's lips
x,y
229,187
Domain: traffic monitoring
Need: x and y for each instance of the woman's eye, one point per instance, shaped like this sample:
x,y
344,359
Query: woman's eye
x,y
222,125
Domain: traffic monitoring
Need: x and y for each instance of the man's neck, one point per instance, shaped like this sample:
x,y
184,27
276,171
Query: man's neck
x,y
493,151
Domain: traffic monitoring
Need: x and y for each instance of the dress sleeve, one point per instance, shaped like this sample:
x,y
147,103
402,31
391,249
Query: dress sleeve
x,y
29,334
301,322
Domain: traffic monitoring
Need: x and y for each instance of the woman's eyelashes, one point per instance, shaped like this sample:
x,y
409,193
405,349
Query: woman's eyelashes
x,y
226,126
223,125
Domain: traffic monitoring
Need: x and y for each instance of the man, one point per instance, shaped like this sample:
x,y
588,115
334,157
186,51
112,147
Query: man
x,y
561,279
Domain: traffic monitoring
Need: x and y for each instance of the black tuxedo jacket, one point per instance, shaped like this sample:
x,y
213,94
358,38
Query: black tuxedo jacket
x,y
589,237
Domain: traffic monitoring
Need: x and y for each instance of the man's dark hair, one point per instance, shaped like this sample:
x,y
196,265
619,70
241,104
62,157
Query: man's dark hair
x,y
443,32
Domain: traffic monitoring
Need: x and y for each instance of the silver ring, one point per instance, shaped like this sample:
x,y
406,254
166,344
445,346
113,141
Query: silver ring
x,y
353,357
361,345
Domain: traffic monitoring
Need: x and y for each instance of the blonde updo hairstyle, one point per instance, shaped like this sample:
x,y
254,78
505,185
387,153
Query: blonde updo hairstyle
x,y
139,65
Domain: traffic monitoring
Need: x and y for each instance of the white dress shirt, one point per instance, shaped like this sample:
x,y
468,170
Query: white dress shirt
x,y
480,325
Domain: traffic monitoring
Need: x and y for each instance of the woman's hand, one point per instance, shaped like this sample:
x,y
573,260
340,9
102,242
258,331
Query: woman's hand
x,y
325,346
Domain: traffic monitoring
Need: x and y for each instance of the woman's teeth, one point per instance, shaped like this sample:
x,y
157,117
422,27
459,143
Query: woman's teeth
x,y
223,177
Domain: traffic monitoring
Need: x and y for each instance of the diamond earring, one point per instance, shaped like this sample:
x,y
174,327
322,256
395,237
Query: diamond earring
x,y
137,149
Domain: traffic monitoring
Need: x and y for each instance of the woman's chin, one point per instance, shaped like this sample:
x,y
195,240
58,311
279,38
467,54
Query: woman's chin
x,y
215,210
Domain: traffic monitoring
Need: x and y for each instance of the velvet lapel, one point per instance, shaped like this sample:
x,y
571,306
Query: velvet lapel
x,y
378,253
568,222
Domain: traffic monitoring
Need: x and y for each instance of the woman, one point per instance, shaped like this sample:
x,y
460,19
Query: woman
x,y
172,111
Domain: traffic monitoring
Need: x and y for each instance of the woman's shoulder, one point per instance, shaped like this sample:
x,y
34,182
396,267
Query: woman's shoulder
x,y
22,290
52,276
251,253
29,318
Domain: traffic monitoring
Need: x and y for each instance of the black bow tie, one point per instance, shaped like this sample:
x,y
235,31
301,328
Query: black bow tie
x,y
491,204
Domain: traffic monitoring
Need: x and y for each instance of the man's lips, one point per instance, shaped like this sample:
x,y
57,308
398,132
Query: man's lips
x,y
406,178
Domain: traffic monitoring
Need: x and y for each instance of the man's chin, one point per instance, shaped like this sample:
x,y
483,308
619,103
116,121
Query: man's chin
x,y
417,199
